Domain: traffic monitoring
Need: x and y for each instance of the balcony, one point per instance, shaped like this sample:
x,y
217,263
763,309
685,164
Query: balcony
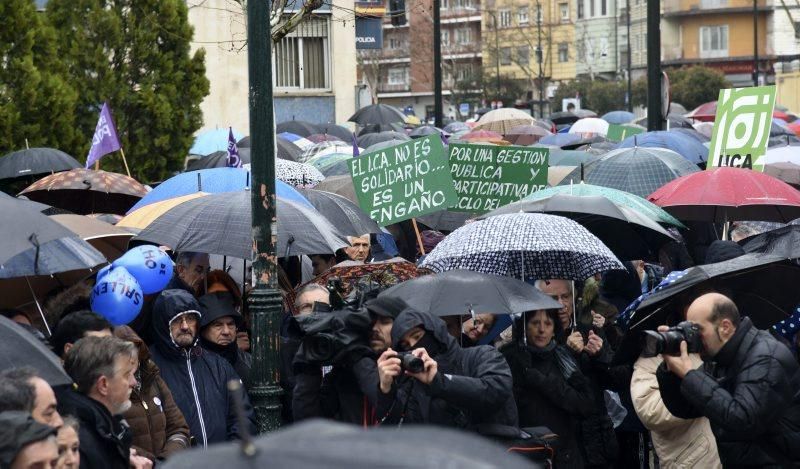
x,y
706,7
394,88
398,53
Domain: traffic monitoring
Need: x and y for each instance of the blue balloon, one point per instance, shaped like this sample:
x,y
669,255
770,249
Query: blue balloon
x,y
117,296
149,265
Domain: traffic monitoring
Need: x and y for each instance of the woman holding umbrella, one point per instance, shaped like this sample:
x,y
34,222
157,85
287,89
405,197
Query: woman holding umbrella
x,y
549,387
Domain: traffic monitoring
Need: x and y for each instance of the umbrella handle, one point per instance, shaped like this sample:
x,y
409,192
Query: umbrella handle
x,y
38,306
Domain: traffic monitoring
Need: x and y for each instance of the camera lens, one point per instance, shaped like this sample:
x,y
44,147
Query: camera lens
x,y
652,343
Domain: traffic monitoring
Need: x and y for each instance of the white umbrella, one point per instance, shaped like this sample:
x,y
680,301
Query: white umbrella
x,y
503,120
589,127
783,163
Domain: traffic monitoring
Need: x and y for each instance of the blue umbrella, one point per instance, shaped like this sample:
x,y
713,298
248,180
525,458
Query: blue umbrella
x,y
213,180
560,139
688,147
213,140
618,117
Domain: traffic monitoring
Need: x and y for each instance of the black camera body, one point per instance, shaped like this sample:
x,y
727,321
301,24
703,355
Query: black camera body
x,y
669,342
410,363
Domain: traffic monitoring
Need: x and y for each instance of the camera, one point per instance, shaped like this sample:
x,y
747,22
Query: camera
x,y
669,342
410,363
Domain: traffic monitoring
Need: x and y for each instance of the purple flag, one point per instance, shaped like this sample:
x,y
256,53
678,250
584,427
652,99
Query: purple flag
x,y
355,145
233,160
105,139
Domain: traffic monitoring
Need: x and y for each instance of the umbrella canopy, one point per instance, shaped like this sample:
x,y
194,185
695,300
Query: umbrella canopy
x,y
110,240
454,127
212,181
143,216
323,162
481,135
87,191
341,185
32,161
445,220
639,170
296,140
218,159
299,128
688,147
559,157
757,283
377,114
628,233
346,216
524,245
726,194
589,126
783,163
534,130
385,273
287,150
671,122
618,117
783,242
339,168
297,174
221,224
213,140
598,148
560,140
366,141
18,347
335,130
377,128
319,138
556,174
692,133
425,130
583,113
704,113
463,292
565,117
503,120
704,128
326,148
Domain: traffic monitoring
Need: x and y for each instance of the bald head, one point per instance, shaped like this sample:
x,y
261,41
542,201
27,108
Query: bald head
x,y
720,307
717,318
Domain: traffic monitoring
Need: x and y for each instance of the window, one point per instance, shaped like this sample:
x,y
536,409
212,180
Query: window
x,y
463,35
563,9
522,15
505,56
302,58
395,43
706,4
445,37
397,76
505,18
603,7
714,41
464,72
563,52
523,55
580,9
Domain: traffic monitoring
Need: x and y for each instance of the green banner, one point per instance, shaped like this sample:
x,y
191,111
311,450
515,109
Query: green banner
x,y
487,177
618,133
405,181
741,127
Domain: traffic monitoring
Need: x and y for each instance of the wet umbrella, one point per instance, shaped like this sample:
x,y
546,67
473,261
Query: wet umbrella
x,y
639,170
381,146
704,113
783,242
704,128
221,224
687,147
341,185
326,148
243,142
526,134
287,150
424,131
455,127
218,159
463,292
33,161
110,240
725,194
584,113
378,128
213,140
618,117
377,114
335,130
565,117
346,216
677,108
385,273
783,162
481,135
759,285
368,140
672,121
560,140
319,138
692,133
445,220
339,168
323,162
579,174
559,157
597,148
503,120
296,140
523,245
300,128
297,174
556,174
589,126
87,191
19,347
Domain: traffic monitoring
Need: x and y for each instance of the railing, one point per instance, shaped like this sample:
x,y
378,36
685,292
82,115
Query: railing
x,y
387,88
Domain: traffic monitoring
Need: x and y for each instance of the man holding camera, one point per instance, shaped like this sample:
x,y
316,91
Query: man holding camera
x,y
747,387
435,381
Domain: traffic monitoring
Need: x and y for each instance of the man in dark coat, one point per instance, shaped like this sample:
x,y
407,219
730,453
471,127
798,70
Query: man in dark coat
x,y
457,388
218,325
748,387
197,378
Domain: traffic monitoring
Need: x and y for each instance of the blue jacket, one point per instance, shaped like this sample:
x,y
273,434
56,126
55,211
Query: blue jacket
x,y
196,377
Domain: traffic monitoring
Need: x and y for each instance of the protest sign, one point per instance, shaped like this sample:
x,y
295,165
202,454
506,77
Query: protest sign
x,y
487,177
618,133
405,181
741,127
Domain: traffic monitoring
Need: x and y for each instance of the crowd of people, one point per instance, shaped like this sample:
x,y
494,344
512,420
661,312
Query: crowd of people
x,y
160,385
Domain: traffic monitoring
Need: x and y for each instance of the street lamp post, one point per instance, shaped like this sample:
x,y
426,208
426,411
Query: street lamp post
x,y
540,58
437,64
654,117
264,300
628,25
496,51
755,42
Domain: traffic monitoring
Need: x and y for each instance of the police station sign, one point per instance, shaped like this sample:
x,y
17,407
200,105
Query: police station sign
x,y
369,33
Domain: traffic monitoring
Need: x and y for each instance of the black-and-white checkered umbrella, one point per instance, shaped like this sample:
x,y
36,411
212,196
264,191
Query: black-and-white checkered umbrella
x,y
524,245
297,174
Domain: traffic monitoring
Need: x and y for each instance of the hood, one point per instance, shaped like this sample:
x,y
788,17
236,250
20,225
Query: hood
x,y
17,430
719,251
410,319
621,287
217,305
169,305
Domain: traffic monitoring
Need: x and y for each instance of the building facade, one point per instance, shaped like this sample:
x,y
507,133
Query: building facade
x,y
596,34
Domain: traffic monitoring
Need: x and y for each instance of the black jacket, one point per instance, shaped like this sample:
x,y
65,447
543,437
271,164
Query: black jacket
x,y
472,386
750,396
197,378
105,439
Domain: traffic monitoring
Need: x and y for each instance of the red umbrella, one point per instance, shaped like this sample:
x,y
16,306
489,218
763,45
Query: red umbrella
x,y
794,127
481,135
728,194
781,115
704,113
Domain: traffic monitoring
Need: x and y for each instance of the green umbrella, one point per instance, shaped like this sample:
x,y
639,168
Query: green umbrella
x,y
625,199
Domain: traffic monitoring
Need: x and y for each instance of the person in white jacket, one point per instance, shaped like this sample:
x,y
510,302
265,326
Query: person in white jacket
x,y
679,443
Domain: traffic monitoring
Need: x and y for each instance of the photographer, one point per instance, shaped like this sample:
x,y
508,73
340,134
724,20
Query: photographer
x,y
452,386
746,389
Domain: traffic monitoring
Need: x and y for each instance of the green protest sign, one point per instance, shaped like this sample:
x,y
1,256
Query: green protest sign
x,y
487,177
618,133
741,127
405,181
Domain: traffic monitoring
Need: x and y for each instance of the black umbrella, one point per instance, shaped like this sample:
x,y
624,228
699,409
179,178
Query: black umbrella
x,y
762,286
243,142
458,292
317,443
340,168
561,118
346,216
301,128
377,128
784,242
221,224
335,130
218,159
424,131
286,150
445,220
36,161
628,233
585,141
19,347
675,121
377,114
368,140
